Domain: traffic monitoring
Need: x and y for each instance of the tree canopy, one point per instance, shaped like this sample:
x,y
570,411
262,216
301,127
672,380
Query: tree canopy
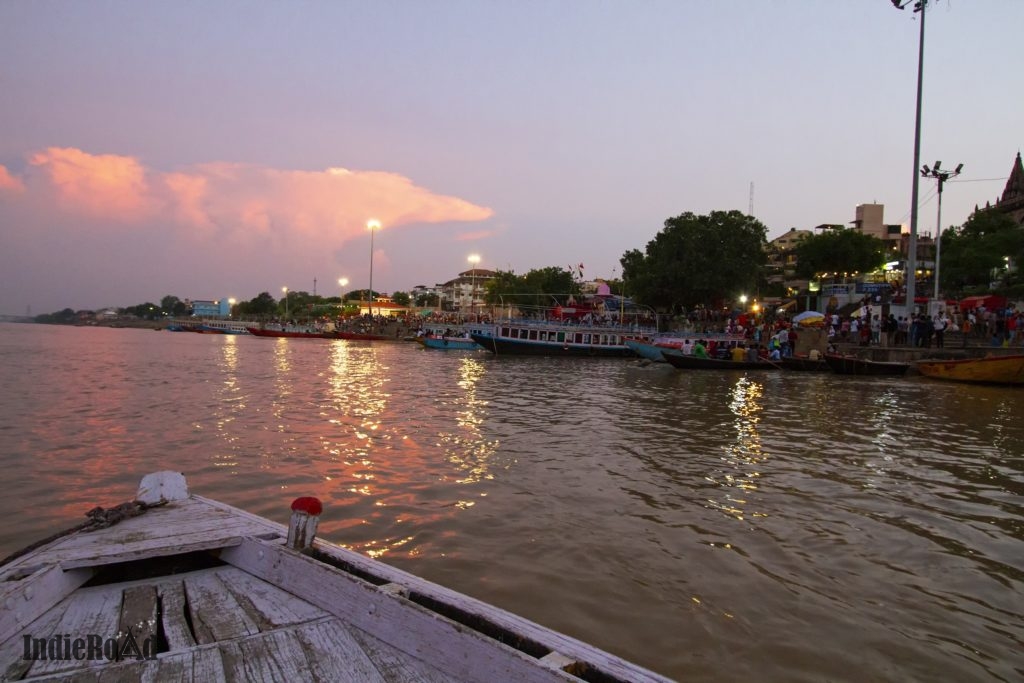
x,y
541,287
839,251
697,260
974,255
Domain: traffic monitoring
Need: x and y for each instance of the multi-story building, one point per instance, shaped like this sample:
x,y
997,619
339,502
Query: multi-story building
x,y
781,264
869,220
465,293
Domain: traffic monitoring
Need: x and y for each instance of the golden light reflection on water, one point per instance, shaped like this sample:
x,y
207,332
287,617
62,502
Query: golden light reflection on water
x,y
744,454
467,449
229,403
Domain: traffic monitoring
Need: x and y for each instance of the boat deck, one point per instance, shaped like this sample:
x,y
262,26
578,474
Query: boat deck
x,y
214,593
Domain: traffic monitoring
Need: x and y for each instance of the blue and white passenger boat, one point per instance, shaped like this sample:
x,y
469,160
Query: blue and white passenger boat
x,y
547,338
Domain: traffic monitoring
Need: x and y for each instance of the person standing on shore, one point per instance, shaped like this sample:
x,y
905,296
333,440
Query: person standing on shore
x,y
939,328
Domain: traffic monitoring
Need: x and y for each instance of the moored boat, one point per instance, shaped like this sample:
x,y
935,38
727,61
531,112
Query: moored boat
x,y
987,370
449,343
651,348
177,586
532,338
684,361
804,364
285,332
853,365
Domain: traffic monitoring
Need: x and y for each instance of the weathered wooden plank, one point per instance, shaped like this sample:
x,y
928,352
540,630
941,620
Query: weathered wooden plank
x,y
331,647
173,610
268,606
426,635
23,601
396,666
193,524
216,615
90,611
12,651
199,666
139,618
587,656
282,656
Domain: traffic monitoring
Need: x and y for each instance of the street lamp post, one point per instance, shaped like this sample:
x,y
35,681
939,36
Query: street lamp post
x,y
342,282
285,290
474,259
941,177
919,6
372,225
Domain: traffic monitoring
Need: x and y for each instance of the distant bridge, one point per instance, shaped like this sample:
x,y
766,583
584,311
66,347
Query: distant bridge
x,y
16,318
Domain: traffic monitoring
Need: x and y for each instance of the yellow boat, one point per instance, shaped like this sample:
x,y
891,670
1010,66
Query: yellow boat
x,y
987,370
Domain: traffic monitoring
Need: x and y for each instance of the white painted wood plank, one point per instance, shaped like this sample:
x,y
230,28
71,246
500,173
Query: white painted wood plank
x,y
323,653
569,647
192,524
215,613
268,606
89,611
396,666
410,628
12,651
23,601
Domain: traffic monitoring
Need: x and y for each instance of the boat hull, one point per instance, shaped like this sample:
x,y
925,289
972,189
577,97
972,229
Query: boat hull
x,y
288,334
851,365
449,343
989,370
804,364
688,362
523,347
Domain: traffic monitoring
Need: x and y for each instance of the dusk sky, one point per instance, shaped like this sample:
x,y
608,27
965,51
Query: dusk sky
x,y
221,149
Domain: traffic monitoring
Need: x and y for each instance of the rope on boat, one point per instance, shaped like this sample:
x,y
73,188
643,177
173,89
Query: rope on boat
x,y
99,518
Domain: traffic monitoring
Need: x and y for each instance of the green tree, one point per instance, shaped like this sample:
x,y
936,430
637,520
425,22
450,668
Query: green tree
x,y
697,260
173,306
401,298
427,299
262,305
842,251
977,250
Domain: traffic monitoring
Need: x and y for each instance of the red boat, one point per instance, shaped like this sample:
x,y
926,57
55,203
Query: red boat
x,y
300,334
354,336
258,332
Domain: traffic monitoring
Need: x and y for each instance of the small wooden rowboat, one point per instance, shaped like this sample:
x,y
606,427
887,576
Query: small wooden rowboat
x,y
683,361
174,586
988,370
449,343
852,365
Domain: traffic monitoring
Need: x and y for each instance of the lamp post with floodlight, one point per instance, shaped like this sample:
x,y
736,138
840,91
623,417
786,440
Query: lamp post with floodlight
x,y
342,282
919,7
474,259
941,177
285,290
372,225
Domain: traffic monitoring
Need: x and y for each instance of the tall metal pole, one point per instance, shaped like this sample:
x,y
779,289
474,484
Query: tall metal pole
x,y
912,242
938,241
372,225
941,177
371,270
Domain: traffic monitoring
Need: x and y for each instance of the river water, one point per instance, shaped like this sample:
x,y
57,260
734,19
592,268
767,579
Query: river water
x,y
710,526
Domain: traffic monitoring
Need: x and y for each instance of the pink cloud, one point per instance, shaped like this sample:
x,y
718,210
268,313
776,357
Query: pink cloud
x,y
235,202
8,182
106,185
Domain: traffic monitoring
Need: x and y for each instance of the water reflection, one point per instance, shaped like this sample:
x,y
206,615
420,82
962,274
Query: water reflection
x,y
740,475
229,405
779,526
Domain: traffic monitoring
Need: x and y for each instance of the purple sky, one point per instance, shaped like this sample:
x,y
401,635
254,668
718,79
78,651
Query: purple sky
x,y
222,149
